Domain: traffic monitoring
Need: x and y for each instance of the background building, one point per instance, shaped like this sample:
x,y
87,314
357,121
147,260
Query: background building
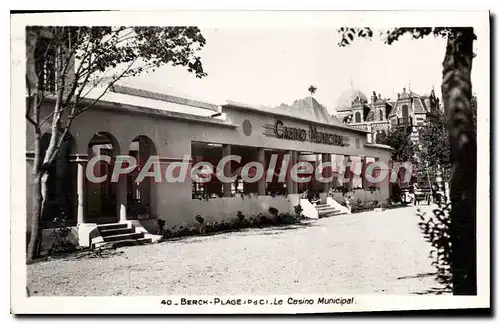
x,y
378,115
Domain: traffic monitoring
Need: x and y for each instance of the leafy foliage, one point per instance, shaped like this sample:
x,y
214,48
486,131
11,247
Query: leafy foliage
x,y
312,89
460,107
85,57
298,211
348,35
76,66
273,211
60,234
240,222
437,231
200,219
399,139
434,143
161,226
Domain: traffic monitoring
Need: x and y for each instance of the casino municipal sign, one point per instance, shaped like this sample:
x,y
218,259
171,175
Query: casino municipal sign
x,y
301,134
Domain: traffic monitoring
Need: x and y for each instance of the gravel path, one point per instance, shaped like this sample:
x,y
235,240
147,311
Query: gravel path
x,y
372,252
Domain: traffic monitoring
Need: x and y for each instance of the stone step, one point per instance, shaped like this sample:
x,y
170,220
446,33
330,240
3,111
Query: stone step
x,y
323,207
120,237
111,226
335,213
121,243
116,231
327,211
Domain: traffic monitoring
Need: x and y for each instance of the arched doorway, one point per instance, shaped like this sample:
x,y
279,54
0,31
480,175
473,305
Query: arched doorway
x,y
141,196
101,199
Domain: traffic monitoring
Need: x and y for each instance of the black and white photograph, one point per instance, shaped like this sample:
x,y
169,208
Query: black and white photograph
x,y
249,162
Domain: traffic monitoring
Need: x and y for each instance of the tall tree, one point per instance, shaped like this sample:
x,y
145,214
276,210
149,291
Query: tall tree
x,y
404,151
312,89
399,139
434,144
76,66
456,90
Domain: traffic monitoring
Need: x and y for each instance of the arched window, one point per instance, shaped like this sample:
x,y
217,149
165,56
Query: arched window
x,y
357,117
405,112
380,137
381,115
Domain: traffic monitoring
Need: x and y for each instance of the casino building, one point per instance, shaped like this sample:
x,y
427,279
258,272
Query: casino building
x,y
130,121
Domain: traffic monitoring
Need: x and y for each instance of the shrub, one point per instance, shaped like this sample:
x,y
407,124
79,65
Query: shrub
x,y
263,220
60,233
241,221
287,218
161,226
396,192
298,211
199,219
273,211
360,206
200,224
240,216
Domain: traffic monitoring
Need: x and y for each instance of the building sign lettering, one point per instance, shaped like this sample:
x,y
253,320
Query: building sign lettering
x,y
300,134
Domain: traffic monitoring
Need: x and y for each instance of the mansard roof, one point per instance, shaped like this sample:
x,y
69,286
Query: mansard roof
x,y
417,103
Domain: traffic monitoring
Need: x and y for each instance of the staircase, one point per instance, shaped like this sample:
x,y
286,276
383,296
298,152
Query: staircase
x,y
118,235
325,210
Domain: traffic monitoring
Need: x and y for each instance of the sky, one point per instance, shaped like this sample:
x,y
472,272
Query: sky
x,y
270,67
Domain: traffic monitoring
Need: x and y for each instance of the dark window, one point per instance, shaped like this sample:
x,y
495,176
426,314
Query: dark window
x,y
380,137
405,112
381,115
358,117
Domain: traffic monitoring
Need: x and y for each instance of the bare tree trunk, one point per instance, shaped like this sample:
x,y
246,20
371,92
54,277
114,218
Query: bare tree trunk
x,y
37,202
457,95
35,235
40,189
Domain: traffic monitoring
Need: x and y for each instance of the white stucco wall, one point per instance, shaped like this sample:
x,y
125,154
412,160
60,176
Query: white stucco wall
x,y
172,139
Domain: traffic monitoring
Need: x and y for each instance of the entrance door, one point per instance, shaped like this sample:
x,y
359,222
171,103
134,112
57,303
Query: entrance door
x,y
108,189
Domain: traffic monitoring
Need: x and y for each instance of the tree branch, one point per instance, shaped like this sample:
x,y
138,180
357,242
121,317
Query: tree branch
x,y
110,84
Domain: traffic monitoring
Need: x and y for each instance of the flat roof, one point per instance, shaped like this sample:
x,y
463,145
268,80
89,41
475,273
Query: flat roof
x,y
317,113
163,97
282,113
382,146
118,106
